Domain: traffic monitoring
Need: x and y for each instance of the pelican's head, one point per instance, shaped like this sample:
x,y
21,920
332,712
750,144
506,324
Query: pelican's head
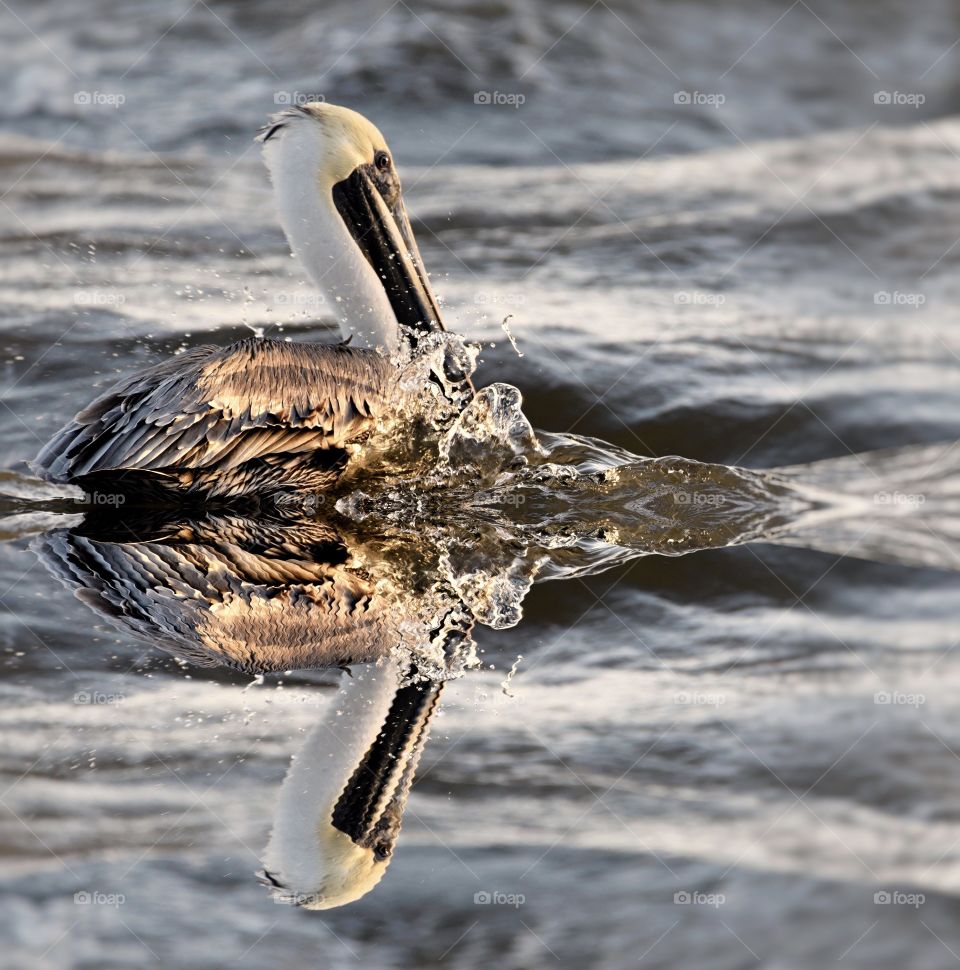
x,y
340,204
341,871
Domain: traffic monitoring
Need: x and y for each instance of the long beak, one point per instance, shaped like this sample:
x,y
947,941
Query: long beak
x,y
385,237
370,808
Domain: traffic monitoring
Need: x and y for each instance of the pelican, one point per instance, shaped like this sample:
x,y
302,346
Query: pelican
x,y
261,415
341,804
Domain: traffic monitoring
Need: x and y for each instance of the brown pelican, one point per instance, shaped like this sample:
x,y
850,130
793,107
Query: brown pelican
x,y
267,415
341,804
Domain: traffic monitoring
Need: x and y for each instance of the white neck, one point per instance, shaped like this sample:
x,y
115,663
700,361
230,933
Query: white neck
x,y
305,848
323,244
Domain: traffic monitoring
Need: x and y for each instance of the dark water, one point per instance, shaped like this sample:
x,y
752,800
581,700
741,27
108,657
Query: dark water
x,y
768,282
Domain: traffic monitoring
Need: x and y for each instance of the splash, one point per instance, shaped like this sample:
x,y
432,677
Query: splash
x,y
490,436
505,327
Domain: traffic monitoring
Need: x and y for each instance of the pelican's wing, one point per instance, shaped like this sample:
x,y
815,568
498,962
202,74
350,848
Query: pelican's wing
x,y
212,409
225,605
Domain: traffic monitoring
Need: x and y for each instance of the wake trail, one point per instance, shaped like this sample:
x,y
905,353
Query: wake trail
x,y
899,505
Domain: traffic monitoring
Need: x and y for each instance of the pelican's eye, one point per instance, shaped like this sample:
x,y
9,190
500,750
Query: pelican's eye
x,y
382,161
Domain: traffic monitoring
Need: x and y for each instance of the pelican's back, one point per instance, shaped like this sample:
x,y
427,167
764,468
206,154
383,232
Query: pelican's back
x,y
218,422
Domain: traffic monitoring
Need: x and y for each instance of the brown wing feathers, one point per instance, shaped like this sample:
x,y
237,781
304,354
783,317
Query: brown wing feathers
x,y
211,410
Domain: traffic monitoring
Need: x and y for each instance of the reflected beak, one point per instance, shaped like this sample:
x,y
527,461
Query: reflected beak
x,y
370,808
384,236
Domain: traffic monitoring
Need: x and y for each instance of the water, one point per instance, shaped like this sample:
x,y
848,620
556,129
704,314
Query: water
x,y
768,283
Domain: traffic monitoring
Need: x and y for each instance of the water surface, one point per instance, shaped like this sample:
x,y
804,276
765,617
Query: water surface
x,y
769,284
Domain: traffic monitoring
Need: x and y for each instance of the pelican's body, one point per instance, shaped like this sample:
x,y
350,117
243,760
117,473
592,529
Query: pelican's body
x,y
263,416
218,422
